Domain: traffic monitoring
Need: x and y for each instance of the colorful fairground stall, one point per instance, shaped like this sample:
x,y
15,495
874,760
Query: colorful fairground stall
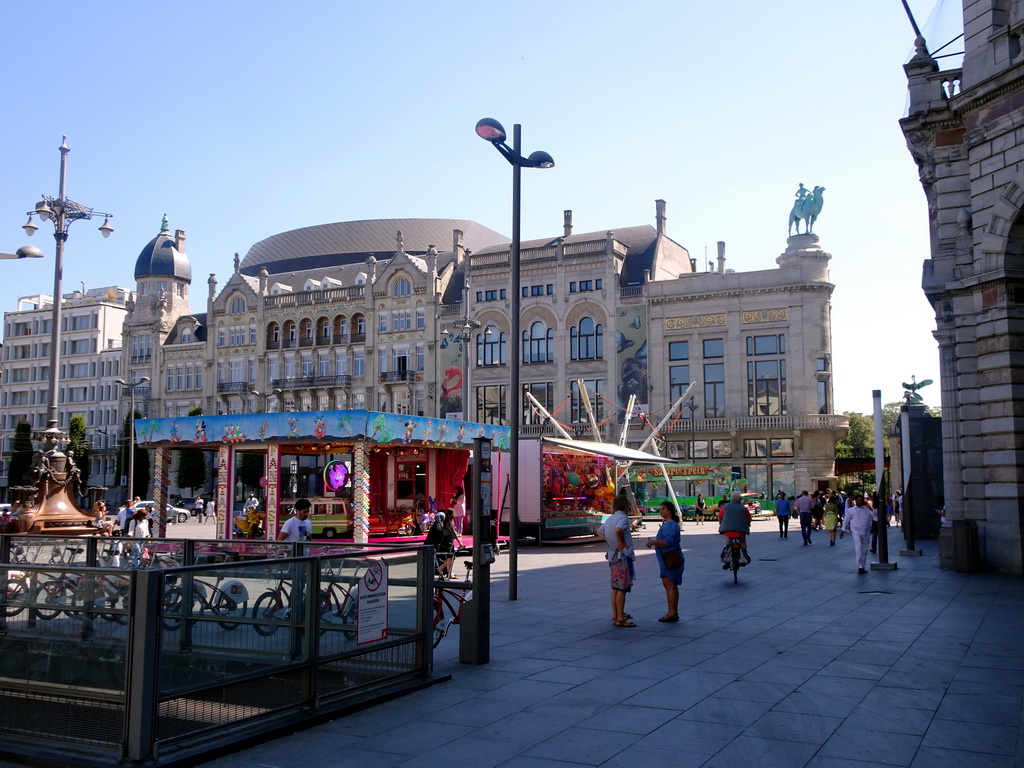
x,y
365,472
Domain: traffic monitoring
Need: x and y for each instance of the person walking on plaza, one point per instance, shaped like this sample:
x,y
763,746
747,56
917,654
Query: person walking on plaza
x,y
620,557
734,522
200,507
782,511
121,519
459,509
670,557
699,507
831,520
297,527
857,522
805,508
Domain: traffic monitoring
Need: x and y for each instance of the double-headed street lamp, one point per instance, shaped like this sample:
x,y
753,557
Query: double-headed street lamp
x,y
492,131
61,212
131,429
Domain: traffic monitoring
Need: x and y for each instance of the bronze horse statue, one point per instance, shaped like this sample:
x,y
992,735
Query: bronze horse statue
x,y
806,208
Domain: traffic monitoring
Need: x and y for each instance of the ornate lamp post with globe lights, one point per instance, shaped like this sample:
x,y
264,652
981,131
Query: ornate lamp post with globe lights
x,y
491,130
54,474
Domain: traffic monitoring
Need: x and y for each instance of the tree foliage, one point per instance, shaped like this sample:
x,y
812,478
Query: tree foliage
x,y
139,484
250,469
859,443
21,454
191,469
77,442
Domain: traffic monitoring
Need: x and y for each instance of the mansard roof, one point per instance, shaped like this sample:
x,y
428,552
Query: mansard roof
x,y
325,246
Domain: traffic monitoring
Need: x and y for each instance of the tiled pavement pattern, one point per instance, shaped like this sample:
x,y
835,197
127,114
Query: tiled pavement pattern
x,y
803,663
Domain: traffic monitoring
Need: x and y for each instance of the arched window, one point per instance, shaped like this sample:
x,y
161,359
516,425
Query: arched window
x,y
401,287
491,347
586,340
186,335
538,344
237,305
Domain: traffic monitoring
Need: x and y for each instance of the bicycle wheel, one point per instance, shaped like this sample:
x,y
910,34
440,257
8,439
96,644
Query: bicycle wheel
x,y
56,596
226,605
444,615
735,564
14,597
268,607
172,609
116,605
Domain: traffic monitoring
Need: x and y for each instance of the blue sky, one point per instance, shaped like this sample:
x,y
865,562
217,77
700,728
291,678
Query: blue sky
x,y
242,120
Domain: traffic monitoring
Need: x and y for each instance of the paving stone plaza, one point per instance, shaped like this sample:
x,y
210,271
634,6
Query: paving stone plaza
x,y
803,663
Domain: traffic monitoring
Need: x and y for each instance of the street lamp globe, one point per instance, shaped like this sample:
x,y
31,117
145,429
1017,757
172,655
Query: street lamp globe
x,y
491,130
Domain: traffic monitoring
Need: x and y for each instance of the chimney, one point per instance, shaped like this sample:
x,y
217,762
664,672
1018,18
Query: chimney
x,y
179,240
721,256
457,247
566,223
659,206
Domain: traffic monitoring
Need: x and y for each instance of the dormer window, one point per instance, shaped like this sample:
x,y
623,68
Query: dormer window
x,y
186,335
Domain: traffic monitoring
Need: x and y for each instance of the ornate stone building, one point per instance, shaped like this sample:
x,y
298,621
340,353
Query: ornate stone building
x,y
410,315
964,131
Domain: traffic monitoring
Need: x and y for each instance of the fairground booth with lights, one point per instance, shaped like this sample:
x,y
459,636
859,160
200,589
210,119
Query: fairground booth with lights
x,y
365,472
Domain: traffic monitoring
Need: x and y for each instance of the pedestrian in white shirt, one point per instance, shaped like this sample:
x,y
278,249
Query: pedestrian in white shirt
x,y
857,522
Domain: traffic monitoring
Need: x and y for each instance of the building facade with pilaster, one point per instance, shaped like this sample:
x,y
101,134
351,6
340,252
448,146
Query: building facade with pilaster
x,y
963,129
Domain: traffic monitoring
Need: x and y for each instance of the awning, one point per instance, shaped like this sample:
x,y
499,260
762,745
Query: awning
x,y
610,450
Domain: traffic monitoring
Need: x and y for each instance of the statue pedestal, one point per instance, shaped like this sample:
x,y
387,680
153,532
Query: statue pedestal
x,y
806,254
802,244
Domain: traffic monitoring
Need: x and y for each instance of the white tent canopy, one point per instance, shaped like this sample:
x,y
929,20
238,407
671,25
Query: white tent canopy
x,y
612,451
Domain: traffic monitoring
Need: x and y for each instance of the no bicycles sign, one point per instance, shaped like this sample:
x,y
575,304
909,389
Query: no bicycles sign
x,y
372,617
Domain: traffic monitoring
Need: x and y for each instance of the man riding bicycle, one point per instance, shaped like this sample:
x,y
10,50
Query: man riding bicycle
x,y
734,523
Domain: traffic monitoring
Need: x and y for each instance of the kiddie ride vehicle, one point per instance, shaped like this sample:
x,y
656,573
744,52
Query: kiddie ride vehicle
x,y
392,522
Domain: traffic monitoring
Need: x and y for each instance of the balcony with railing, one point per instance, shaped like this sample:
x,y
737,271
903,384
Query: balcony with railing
x,y
761,423
224,387
391,377
307,382
316,298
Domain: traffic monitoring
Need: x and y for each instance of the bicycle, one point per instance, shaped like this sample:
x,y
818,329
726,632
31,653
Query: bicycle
x,y
448,602
17,589
72,593
337,605
228,599
737,556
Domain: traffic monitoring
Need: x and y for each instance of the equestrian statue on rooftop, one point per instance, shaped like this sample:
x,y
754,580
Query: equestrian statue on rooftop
x,y
806,208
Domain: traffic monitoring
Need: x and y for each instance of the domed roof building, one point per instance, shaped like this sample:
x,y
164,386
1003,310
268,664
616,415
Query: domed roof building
x,y
164,256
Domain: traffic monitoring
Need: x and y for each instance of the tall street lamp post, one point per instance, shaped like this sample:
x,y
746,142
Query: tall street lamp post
x,y
491,130
692,406
61,212
131,429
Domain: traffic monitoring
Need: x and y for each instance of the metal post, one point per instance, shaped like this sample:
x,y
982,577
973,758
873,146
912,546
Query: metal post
x,y
514,397
131,440
475,632
60,235
881,508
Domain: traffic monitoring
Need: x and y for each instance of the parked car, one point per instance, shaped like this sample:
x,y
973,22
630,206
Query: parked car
x,y
174,514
